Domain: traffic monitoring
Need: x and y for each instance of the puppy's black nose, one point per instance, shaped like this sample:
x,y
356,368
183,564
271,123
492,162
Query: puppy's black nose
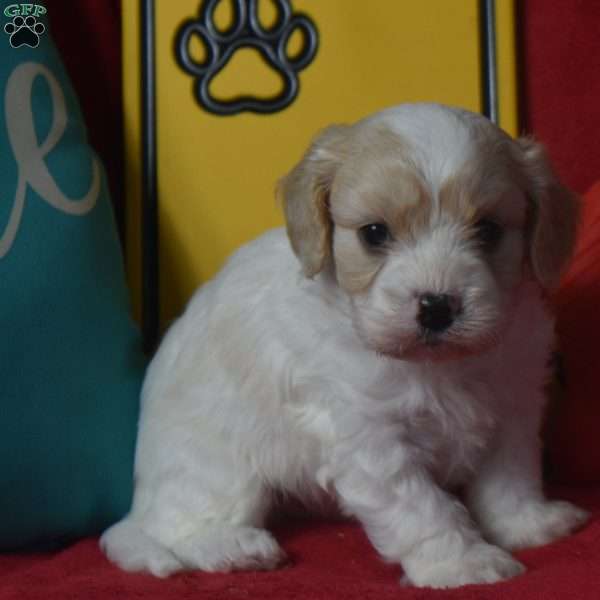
x,y
436,311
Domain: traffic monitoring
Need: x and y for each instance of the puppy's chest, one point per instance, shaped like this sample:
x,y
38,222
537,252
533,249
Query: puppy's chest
x,y
445,423
452,428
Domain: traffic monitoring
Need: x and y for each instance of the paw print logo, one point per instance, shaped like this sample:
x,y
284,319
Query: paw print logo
x,y
246,31
24,31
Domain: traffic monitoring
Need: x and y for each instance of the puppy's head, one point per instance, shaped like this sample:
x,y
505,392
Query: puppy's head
x,y
430,218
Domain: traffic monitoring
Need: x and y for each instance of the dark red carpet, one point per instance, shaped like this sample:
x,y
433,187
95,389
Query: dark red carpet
x,y
329,561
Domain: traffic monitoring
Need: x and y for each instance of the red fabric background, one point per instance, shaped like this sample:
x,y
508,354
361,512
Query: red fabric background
x,y
560,46
329,562
573,447
560,83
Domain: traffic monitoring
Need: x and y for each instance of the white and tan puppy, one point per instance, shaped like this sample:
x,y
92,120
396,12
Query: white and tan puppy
x,y
392,356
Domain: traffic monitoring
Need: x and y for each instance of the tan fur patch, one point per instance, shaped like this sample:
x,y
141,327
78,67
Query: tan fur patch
x,y
553,216
355,267
380,184
486,187
305,196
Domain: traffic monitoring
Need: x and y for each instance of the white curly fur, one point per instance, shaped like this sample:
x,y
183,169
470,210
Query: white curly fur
x,y
272,381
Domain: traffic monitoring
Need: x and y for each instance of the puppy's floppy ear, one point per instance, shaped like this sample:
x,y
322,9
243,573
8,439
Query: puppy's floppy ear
x,y
305,194
553,214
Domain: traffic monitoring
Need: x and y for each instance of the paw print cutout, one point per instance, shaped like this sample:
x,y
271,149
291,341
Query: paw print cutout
x,y
246,31
24,31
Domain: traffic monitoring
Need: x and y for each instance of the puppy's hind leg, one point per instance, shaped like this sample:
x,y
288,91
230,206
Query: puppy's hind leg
x,y
127,545
212,546
224,547
169,531
231,536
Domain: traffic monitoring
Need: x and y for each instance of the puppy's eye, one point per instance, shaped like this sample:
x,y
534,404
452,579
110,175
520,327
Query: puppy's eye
x,y
488,233
375,235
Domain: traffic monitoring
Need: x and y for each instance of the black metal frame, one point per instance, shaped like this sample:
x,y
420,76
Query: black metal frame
x,y
150,249
150,274
489,62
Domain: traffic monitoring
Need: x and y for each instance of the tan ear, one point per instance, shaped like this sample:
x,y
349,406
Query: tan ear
x,y
305,195
554,215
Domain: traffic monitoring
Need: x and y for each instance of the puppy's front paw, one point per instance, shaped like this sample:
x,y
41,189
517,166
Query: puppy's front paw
x,y
482,563
537,523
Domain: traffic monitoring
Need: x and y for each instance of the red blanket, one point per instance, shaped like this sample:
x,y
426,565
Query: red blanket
x,y
329,560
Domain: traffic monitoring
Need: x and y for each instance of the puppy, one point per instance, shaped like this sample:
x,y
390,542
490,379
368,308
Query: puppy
x,y
390,352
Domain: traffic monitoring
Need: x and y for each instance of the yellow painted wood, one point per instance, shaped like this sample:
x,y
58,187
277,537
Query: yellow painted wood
x,y
507,66
217,174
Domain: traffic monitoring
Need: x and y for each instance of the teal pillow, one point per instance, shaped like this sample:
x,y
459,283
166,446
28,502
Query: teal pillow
x,y
71,363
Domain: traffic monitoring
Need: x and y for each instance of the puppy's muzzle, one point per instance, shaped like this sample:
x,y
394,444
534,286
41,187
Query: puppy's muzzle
x,y
437,312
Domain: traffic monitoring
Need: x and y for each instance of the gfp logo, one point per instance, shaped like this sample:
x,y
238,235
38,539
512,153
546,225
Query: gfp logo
x,y
24,29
